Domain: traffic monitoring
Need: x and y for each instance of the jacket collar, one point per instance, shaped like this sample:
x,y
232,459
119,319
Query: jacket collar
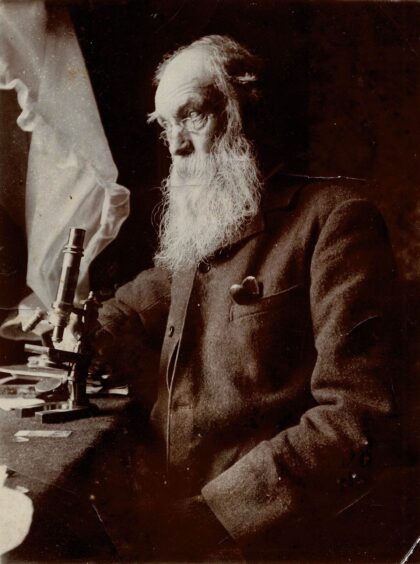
x,y
281,190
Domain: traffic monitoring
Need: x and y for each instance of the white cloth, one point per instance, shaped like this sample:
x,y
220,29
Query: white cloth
x,y
71,176
16,512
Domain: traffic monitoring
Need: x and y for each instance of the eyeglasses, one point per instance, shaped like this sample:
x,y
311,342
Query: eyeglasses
x,y
194,122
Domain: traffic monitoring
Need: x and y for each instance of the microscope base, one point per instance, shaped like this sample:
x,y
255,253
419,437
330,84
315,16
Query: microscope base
x,y
57,412
66,413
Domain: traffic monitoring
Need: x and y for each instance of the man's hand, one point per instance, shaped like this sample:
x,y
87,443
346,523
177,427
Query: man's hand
x,y
72,333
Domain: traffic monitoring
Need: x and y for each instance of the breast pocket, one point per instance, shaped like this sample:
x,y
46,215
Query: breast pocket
x,y
270,334
286,302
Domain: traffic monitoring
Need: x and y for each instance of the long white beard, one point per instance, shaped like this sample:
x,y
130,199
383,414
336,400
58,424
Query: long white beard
x,y
206,202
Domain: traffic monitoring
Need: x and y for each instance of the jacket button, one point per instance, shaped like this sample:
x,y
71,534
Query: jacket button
x,y
204,267
171,330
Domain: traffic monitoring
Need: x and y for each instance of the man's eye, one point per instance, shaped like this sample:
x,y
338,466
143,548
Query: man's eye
x,y
195,120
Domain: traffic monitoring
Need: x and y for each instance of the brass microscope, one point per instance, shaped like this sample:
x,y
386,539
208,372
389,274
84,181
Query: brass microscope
x,y
56,375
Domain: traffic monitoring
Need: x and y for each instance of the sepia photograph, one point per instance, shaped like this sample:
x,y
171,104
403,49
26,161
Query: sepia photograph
x,y
209,281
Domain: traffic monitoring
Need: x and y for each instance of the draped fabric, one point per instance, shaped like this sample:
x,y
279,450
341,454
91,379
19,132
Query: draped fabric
x,y
71,176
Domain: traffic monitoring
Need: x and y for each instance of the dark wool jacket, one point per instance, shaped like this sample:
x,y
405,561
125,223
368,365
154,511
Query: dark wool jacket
x,y
273,397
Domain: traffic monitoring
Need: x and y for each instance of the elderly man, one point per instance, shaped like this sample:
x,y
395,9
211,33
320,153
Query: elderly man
x,y
271,308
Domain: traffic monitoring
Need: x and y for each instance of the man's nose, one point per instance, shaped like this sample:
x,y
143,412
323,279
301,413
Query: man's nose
x,y
180,142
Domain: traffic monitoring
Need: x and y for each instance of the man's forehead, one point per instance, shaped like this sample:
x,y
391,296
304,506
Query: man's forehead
x,y
188,73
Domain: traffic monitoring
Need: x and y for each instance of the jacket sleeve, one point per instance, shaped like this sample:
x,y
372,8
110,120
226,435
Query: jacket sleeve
x,y
320,465
132,326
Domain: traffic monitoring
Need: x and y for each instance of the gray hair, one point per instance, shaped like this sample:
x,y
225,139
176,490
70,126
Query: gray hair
x,y
234,70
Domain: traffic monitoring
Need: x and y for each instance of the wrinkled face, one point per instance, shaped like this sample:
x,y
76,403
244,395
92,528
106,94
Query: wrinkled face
x,y
187,105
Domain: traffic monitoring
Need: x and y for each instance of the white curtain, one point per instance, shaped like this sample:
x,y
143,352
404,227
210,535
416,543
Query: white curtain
x,y
71,176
